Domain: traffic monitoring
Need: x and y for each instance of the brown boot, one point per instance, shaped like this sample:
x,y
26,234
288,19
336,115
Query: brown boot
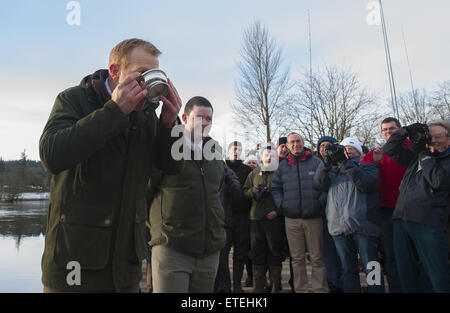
x,y
275,277
258,278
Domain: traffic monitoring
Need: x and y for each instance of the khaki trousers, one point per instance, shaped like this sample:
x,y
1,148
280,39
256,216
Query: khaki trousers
x,y
310,231
130,289
175,272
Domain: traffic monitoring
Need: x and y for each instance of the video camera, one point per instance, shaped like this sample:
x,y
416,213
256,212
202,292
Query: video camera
x,y
419,135
334,154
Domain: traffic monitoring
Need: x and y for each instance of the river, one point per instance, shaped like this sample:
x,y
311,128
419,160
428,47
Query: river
x,y
22,228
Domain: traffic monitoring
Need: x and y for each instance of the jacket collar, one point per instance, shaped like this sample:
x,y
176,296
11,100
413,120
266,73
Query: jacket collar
x,y
443,154
306,154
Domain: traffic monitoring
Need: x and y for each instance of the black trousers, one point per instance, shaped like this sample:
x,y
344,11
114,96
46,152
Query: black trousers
x,y
267,242
223,279
240,237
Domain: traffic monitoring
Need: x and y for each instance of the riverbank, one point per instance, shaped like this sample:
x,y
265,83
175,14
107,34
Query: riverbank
x,y
27,196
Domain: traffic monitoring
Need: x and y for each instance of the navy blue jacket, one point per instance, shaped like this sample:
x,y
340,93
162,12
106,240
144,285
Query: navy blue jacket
x,y
292,187
424,194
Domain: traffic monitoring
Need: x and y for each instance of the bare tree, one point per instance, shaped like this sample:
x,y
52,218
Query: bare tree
x,y
415,107
440,100
333,103
262,91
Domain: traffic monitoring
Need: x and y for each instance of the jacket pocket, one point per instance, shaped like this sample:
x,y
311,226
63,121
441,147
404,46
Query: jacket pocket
x,y
84,238
177,204
89,245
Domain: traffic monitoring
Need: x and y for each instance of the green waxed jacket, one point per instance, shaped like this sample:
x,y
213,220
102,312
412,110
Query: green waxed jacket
x,y
100,161
259,208
186,213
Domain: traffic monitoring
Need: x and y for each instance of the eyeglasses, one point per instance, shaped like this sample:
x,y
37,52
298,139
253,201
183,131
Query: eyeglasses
x,y
390,129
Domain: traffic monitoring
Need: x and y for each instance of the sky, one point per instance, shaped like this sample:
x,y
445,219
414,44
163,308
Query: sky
x,y
44,49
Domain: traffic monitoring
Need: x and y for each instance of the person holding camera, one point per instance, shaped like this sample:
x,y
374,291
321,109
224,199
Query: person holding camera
x,y
100,143
330,257
266,235
297,199
351,209
391,174
421,213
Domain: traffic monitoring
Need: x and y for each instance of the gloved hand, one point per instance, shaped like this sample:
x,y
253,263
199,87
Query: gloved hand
x,y
419,136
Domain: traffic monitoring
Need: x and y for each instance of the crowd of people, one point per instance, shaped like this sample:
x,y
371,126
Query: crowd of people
x,y
118,193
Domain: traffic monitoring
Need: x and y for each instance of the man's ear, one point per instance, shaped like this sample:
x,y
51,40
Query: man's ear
x,y
114,72
184,117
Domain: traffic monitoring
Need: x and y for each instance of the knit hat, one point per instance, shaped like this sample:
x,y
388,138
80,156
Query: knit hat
x,y
326,138
354,142
282,140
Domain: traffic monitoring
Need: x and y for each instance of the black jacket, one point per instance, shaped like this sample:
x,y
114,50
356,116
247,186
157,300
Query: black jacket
x,y
424,194
241,205
229,193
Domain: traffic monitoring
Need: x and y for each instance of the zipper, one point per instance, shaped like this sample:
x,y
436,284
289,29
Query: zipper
x,y
299,188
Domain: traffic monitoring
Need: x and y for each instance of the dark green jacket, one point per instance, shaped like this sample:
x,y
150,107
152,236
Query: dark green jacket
x,y
186,213
259,208
100,161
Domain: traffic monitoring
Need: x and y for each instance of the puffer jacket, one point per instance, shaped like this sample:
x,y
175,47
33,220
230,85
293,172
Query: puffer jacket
x,y
292,187
352,203
424,194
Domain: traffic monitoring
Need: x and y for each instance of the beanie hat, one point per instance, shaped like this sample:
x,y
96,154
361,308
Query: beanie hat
x,y
354,142
326,138
282,140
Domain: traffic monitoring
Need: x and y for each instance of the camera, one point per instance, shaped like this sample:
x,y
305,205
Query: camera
x,y
155,80
334,154
263,191
419,135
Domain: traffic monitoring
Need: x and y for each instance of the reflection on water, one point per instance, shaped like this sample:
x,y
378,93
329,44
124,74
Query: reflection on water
x,y
22,228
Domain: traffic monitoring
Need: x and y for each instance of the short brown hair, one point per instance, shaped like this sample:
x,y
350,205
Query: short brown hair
x,y
198,101
391,119
119,54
